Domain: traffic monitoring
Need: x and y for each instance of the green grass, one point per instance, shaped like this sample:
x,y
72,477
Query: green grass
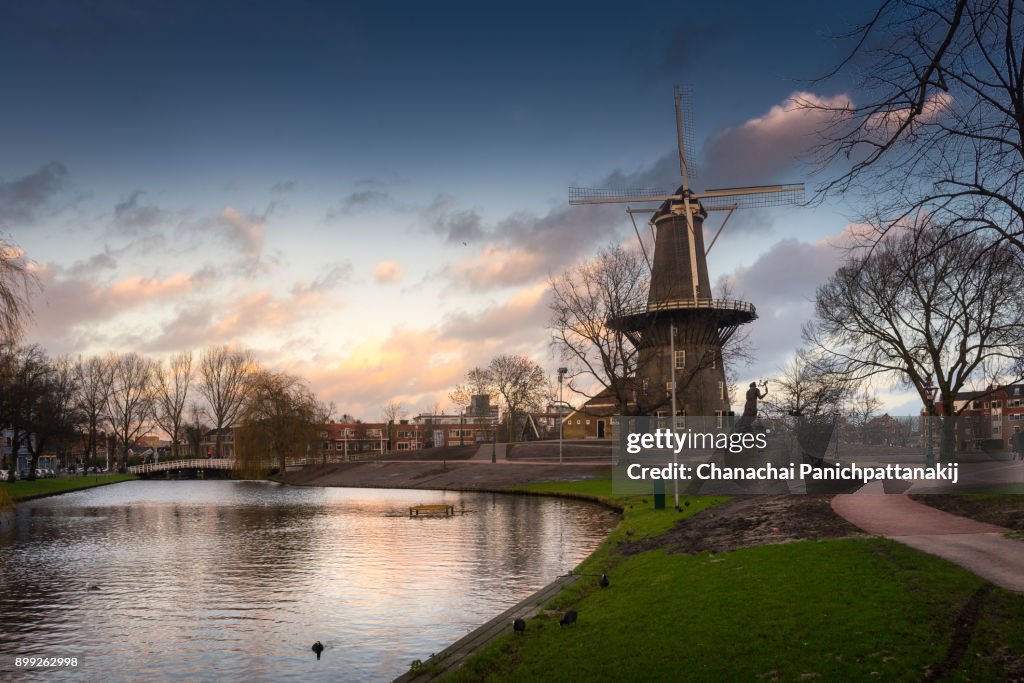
x,y
23,489
639,515
848,609
851,609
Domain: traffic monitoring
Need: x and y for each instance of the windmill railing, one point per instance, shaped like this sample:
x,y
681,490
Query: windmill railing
x,y
691,304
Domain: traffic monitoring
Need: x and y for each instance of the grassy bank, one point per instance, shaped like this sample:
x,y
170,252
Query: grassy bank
x,y
847,609
25,490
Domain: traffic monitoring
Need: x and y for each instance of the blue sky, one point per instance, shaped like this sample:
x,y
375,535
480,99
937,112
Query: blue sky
x,y
374,195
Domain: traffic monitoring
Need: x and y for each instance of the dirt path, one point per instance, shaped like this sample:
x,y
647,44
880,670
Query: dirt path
x,y
749,521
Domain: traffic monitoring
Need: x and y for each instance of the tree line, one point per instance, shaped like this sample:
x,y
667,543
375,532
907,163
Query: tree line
x,y
61,404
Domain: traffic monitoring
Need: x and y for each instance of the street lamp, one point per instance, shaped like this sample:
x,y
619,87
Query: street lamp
x,y
561,376
494,443
835,428
930,391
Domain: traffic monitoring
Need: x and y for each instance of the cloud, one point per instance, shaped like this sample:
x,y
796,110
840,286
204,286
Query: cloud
x,y
453,224
386,272
23,199
525,248
75,302
283,187
131,217
884,124
522,316
246,233
420,366
332,277
771,145
360,201
782,283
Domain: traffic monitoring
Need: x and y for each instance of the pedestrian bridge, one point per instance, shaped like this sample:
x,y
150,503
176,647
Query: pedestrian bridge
x,y
195,467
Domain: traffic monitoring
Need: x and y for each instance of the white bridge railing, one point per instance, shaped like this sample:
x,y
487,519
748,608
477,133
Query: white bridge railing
x,y
194,464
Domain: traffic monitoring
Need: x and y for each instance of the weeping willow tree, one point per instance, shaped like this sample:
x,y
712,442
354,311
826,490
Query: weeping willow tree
x,y
279,420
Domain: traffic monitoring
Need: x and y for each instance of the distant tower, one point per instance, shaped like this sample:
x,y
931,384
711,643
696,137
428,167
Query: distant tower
x,y
682,329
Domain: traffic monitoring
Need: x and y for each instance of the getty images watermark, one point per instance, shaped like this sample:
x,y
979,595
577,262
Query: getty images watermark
x,y
723,455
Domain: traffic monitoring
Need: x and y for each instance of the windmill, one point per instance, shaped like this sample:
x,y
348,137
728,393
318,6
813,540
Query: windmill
x,y
681,330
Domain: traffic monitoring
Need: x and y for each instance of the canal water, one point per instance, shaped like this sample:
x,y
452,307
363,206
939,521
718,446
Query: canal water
x,y
230,580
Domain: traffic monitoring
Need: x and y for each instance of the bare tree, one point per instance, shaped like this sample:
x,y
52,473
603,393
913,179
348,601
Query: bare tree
x,y
861,408
17,282
392,412
54,419
195,428
520,383
171,385
94,377
918,307
584,298
941,125
130,404
224,373
806,387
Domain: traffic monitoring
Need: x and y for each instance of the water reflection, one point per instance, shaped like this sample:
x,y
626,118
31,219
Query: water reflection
x,y
232,580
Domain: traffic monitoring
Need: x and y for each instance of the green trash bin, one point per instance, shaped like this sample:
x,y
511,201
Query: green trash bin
x,y
659,494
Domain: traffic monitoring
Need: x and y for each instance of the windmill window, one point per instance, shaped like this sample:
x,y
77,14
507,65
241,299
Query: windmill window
x,y
721,390
680,359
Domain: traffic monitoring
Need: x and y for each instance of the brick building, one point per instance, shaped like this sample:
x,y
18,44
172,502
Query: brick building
x,y
988,419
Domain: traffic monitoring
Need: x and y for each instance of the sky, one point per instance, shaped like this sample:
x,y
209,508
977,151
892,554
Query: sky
x,y
374,195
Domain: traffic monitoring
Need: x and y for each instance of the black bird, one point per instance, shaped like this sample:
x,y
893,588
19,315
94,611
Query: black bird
x,y
604,581
519,625
318,647
569,618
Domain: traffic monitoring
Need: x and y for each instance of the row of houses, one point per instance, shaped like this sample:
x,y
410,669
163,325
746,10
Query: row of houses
x,y
989,419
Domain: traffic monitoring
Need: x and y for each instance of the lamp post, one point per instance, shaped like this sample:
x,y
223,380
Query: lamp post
x,y
835,428
561,376
930,390
494,443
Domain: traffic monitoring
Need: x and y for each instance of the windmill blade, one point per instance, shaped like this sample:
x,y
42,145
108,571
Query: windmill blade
x,y
647,259
684,136
761,196
588,195
721,227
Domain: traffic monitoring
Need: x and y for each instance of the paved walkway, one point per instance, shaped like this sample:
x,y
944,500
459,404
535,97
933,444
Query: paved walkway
x,y
976,546
483,452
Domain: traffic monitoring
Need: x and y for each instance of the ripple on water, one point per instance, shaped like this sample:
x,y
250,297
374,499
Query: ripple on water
x,y
237,579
